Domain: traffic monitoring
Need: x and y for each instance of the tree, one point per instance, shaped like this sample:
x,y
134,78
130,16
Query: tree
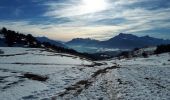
x,y
162,49
145,55
4,30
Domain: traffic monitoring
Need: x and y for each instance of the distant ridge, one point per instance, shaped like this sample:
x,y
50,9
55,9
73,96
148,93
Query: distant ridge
x,y
121,41
53,42
82,42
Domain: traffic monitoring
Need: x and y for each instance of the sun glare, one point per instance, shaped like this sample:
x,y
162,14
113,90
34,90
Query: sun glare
x,y
92,6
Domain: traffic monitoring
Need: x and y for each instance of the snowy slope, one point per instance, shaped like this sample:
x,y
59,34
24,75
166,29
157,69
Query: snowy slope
x,y
148,50
74,78
62,70
136,79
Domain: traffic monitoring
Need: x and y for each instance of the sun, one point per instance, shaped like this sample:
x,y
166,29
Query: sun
x,y
92,6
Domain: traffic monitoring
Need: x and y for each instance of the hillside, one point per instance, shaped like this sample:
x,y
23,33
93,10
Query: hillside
x,y
33,73
61,70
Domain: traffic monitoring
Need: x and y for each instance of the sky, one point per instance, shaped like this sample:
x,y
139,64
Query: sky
x,y
97,19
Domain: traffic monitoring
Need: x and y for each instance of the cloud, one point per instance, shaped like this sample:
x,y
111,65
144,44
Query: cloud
x,y
75,8
67,19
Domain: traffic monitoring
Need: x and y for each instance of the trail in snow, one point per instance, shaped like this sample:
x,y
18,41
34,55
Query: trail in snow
x,y
77,88
137,78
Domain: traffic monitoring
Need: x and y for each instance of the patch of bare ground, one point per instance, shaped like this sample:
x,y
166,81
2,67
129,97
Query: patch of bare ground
x,y
21,63
95,64
13,54
79,86
35,77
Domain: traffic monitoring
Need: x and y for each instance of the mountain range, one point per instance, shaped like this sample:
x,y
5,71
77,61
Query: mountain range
x,y
121,41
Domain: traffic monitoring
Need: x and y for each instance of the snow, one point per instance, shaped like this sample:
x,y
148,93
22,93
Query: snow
x,y
23,90
134,78
62,70
148,50
32,56
145,78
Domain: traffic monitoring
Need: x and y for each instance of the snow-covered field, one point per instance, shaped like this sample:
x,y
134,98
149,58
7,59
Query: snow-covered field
x,y
71,77
62,70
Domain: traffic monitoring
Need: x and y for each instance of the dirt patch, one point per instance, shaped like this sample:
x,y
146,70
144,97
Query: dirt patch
x,y
35,77
20,63
62,55
35,63
95,64
13,54
30,97
149,78
119,81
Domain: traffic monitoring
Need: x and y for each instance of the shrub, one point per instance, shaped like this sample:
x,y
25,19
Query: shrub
x,y
125,54
35,77
162,49
145,55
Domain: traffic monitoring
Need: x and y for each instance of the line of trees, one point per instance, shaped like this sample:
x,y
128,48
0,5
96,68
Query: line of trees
x,y
14,38
164,48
